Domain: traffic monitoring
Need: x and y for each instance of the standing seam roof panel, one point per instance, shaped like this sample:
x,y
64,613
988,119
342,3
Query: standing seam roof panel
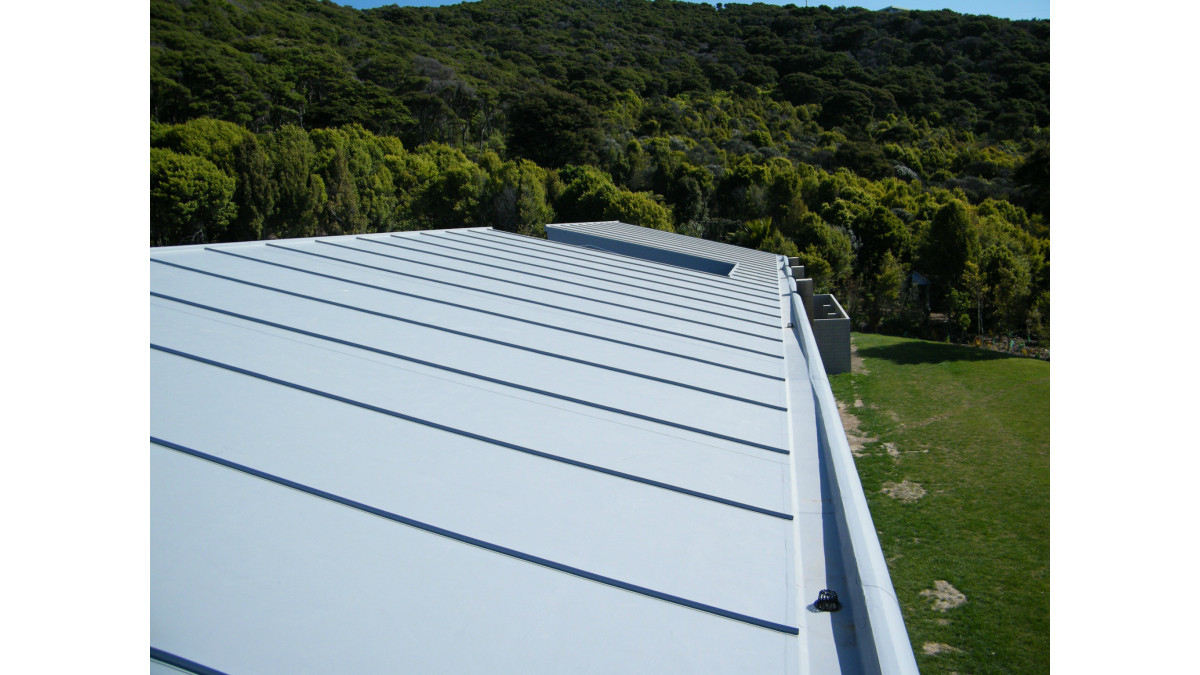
x,y
486,451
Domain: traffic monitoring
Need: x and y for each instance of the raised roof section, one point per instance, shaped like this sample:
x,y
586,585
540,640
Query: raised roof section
x,y
669,248
468,450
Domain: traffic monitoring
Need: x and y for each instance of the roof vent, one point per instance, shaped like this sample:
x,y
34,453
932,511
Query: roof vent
x,y
827,601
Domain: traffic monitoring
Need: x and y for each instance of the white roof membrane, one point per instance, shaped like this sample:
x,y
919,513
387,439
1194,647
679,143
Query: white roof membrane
x,y
469,450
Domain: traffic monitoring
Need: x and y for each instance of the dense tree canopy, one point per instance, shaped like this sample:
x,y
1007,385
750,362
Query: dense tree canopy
x,y
869,144
190,199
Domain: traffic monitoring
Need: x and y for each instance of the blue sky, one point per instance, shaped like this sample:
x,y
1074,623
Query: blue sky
x,y
1008,9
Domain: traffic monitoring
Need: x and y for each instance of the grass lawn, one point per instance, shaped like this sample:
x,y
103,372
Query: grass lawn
x,y
972,429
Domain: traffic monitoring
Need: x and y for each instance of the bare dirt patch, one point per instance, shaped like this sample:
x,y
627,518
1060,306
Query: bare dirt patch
x,y
944,595
933,648
854,435
856,362
905,492
891,450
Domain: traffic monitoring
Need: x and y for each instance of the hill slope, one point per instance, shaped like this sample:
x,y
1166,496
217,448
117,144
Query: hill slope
x,y
875,143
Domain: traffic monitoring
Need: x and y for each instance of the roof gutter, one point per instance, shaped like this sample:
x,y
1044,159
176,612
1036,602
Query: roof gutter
x,y
883,642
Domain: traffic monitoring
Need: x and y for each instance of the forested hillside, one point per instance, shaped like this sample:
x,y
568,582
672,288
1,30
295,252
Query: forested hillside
x,y
869,144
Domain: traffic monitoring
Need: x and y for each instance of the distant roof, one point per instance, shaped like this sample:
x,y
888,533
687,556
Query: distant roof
x,y
467,450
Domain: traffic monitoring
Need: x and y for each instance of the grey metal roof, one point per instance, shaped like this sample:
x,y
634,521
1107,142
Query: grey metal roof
x,y
468,450
750,267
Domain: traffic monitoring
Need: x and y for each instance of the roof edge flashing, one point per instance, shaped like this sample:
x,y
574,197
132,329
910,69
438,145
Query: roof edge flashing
x,y
883,641
641,251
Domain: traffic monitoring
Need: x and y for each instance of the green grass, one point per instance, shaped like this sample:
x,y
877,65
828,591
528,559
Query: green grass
x,y
973,429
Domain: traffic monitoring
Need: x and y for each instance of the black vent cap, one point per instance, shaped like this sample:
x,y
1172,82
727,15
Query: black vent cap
x,y
827,601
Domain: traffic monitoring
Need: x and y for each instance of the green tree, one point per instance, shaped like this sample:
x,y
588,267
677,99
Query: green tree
x,y
589,194
817,269
340,214
950,244
884,289
880,233
754,232
254,194
1007,282
975,285
831,245
846,107
453,192
1033,179
191,200
553,128
300,192
215,140
759,233
516,197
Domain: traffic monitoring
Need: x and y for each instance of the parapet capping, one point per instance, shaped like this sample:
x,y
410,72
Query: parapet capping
x,y
883,642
